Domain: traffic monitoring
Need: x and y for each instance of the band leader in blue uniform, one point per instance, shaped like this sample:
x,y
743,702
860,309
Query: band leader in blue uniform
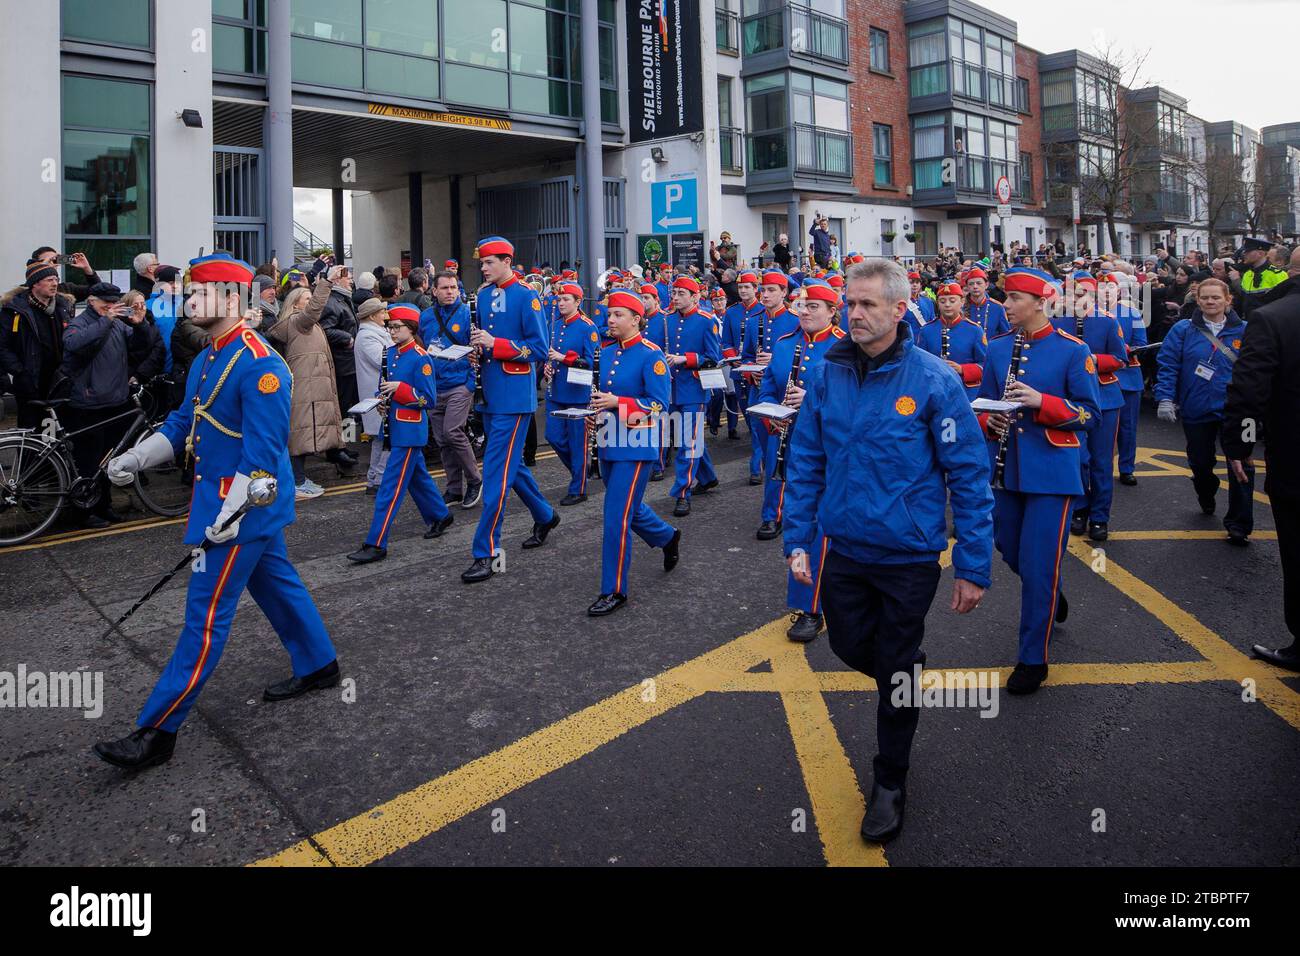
x,y
410,393
635,389
956,339
574,341
989,314
1037,471
762,332
511,342
693,344
885,438
234,425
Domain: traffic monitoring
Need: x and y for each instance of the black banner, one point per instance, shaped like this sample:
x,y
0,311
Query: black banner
x,y
665,95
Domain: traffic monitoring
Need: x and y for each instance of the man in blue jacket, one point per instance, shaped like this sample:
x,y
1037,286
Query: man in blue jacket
x,y
884,440
444,324
1194,368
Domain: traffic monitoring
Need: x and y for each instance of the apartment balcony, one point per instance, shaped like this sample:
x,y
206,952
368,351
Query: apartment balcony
x,y
1060,201
1172,145
797,29
953,82
731,149
1166,207
727,24
798,159
973,182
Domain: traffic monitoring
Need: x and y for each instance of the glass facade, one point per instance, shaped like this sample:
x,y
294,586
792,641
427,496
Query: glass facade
x,y
239,36
110,22
882,141
978,150
948,55
107,126
814,28
879,41
1078,100
798,118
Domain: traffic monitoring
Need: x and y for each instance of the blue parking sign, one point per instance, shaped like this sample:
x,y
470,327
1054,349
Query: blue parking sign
x,y
674,206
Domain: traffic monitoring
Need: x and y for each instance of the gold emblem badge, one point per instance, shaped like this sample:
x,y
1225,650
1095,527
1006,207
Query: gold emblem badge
x,y
268,384
595,337
660,368
1236,343
1089,366
905,405
456,327
537,305
426,369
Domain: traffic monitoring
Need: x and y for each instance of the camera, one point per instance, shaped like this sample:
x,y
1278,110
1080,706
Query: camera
x,y
63,259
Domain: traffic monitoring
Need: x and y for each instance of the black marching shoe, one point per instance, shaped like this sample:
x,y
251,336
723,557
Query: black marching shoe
x,y
480,570
606,604
372,490
704,487
1026,678
438,527
1127,480
672,551
805,627
682,508
657,475
145,747
755,479
732,434
1062,609
573,499
1237,538
884,817
1288,657
473,495
768,530
451,497
1078,523
1098,530
327,676
1208,507
367,554
540,531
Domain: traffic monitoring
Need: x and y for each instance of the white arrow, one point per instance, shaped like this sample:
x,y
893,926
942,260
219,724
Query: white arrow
x,y
665,222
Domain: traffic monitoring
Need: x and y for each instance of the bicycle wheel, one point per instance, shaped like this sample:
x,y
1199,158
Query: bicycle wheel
x,y
32,489
165,490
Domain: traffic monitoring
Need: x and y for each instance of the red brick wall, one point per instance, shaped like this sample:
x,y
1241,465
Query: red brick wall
x,y
1031,126
875,98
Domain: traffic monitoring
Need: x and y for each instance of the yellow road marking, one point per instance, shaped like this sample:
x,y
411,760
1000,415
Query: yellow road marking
x,y
1167,469
1184,536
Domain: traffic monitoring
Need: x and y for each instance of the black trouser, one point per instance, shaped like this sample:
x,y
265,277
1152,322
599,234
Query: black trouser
x,y
92,444
530,442
875,619
346,385
1286,516
31,416
1201,458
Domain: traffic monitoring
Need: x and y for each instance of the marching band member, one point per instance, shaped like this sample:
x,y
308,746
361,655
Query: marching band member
x,y
794,357
235,426
442,325
920,308
1102,335
989,314
694,344
769,325
735,321
956,339
574,340
1133,330
410,392
1035,457
511,340
874,460
636,387
717,397
656,331
665,287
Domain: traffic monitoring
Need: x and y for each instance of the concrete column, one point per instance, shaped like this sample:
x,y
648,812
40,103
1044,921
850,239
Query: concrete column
x,y
279,132
798,239
592,183
986,233
336,198
415,197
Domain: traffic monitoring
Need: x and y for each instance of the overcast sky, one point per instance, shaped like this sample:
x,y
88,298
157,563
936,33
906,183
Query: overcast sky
x,y
1232,60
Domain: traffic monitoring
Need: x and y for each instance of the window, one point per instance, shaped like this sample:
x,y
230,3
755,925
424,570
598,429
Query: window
x,y
1022,94
927,238
474,33
763,27
403,75
106,169
879,50
239,36
110,22
767,119
1027,176
882,141
337,20
928,132
927,57
325,64
403,26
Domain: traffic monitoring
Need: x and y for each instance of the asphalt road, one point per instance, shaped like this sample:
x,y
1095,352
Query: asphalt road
x,y
497,724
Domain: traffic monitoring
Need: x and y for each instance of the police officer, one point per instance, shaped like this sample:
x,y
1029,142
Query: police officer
x,y
1133,330
409,390
693,344
884,439
1102,335
1259,275
1037,470
988,314
511,341
956,339
635,388
574,340
786,383
234,425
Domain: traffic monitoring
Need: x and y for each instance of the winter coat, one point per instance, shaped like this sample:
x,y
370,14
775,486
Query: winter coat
x,y
96,358
338,321
315,421
34,368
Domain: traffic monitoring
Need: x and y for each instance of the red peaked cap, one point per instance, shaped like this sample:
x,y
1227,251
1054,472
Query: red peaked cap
x,y
951,288
648,289
687,283
620,299
571,288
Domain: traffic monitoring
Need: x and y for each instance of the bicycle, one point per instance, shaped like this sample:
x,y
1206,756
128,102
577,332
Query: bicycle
x,y
39,475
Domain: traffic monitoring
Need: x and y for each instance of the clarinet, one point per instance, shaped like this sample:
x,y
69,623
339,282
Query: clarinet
x,y
783,446
478,370
593,457
1013,375
383,377
943,340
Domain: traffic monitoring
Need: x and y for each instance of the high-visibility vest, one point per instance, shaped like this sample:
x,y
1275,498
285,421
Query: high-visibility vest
x,y
1254,280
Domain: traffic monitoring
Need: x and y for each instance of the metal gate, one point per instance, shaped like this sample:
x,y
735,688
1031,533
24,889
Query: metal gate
x,y
239,202
540,219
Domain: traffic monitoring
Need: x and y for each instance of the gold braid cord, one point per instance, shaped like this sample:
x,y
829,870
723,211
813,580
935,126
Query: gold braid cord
x,y
201,410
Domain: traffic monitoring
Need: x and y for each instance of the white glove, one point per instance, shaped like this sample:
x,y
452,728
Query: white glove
x,y
150,452
1165,412
235,499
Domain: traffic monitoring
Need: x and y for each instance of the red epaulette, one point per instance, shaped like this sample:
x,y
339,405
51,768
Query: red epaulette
x,y
1071,337
255,344
838,332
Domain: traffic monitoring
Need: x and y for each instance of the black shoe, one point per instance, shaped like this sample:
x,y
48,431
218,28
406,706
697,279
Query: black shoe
x,y
367,554
606,604
327,676
452,497
573,499
732,435
657,475
473,495
755,479
704,487
94,523
1098,530
1062,609
1078,523
1127,480
1288,657
884,814
530,462
1237,538
438,527
1208,507
768,530
540,531
682,508
111,516
344,458
805,627
671,551
1026,678
480,570
145,747
372,490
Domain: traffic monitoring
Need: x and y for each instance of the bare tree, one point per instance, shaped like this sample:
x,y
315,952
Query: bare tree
x,y
1219,177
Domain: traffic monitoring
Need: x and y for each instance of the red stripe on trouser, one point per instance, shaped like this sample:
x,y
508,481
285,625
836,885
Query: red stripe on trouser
x,y
1056,577
397,494
207,634
622,541
817,583
780,503
586,439
690,469
505,488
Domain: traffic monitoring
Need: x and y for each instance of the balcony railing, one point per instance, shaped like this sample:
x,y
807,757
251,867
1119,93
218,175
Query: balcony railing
x,y
1172,144
968,80
1161,205
806,31
1097,121
817,151
730,147
728,31
974,176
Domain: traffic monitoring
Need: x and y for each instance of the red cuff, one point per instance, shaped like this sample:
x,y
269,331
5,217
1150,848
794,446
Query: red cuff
x,y
629,410
1054,412
1108,363
728,353
505,350
972,374
692,360
983,419
405,395
569,357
